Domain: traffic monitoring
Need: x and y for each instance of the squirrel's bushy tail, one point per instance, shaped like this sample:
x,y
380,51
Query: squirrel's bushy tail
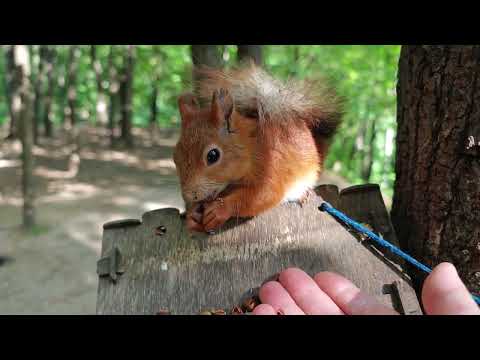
x,y
257,94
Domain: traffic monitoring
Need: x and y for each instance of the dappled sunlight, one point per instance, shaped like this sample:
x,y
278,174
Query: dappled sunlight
x,y
53,153
76,191
87,230
123,201
134,160
150,206
10,163
73,167
10,200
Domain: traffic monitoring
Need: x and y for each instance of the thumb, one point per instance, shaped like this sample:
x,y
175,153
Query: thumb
x,y
444,293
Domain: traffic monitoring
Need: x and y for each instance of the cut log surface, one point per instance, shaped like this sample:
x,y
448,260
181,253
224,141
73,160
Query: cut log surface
x,y
155,265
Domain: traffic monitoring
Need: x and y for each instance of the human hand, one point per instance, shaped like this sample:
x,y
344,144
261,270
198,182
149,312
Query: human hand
x,y
296,293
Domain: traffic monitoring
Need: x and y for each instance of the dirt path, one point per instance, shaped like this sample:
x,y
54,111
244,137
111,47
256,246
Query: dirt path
x,y
52,270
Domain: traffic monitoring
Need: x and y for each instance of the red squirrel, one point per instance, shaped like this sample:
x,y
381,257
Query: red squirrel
x,y
249,142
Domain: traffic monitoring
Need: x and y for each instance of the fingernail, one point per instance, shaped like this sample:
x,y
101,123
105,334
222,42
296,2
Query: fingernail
x,y
274,277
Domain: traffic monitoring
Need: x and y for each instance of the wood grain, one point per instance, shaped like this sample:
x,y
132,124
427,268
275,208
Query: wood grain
x,y
172,270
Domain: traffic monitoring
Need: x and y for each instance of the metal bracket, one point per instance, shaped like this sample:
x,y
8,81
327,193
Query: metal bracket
x,y
111,264
398,298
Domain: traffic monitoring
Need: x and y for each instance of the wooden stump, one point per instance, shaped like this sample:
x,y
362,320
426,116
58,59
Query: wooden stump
x,y
154,265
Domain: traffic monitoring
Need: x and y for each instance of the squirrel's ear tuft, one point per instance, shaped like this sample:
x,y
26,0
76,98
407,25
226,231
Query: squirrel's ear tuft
x,y
187,105
222,108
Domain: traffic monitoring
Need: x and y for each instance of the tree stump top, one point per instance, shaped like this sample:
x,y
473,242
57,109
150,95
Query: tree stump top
x,y
154,264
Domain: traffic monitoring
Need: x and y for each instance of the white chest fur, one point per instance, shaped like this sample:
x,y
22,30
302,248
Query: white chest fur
x,y
298,189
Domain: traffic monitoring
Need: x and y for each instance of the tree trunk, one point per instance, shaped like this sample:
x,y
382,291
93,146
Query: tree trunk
x,y
209,55
49,72
250,52
126,88
114,87
38,91
157,72
436,204
23,98
101,106
153,105
368,150
9,90
69,110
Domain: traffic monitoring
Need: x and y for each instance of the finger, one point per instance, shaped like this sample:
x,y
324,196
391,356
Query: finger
x,y
194,226
264,309
209,218
197,216
211,224
306,293
274,294
209,208
444,293
350,298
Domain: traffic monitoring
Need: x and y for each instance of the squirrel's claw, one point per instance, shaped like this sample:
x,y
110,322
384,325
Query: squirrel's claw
x,y
194,218
192,225
216,214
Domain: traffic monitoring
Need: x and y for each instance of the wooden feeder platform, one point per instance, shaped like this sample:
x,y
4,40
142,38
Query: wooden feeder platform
x,y
154,266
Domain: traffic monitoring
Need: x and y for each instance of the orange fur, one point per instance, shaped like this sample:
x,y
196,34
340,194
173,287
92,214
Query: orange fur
x,y
265,150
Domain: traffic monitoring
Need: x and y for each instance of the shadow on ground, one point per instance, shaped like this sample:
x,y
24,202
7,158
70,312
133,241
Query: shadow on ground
x,y
51,270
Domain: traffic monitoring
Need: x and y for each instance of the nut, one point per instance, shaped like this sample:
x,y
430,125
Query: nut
x,y
163,312
237,310
219,312
250,303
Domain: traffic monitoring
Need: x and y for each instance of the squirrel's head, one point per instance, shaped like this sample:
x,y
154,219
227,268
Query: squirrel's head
x,y
216,146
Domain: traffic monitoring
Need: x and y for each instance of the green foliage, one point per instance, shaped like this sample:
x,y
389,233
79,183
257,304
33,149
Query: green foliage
x,y
172,65
364,76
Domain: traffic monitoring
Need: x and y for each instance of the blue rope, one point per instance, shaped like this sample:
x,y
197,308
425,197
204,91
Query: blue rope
x,y
332,211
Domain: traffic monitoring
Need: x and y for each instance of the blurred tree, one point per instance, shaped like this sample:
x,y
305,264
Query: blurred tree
x,y
23,100
70,116
157,62
49,59
113,89
101,103
209,55
39,82
436,206
126,88
250,52
9,70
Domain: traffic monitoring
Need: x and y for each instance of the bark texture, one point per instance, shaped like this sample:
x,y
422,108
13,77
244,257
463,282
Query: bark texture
x,y
250,52
436,205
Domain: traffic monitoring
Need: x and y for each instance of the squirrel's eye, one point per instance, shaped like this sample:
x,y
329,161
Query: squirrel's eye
x,y
213,156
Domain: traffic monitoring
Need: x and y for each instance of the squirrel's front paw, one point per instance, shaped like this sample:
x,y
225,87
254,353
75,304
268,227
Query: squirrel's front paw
x,y
194,218
192,225
216,213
